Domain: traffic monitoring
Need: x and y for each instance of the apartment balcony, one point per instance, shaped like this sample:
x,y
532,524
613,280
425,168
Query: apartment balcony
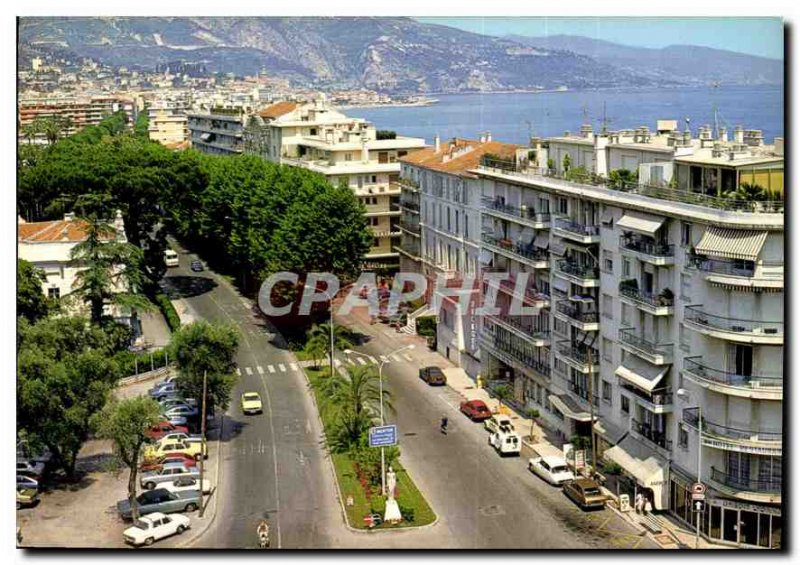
x,y
655,304
585,360
527,254
576,231
733,329
655,437
410,206
587,276
727,438
528,295
410,249
581,394
411,228
514,324
514,355
406,184
655,353
751,386
648,250
572,314
658,402
521,215
746,488
740,274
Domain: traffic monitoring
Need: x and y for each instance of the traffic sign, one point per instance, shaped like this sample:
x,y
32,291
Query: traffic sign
x,y
698,505
698,488
698,496
383,436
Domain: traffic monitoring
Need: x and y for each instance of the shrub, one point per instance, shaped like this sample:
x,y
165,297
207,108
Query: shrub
x,y
407,513
612,468
385,134
166,307
426,326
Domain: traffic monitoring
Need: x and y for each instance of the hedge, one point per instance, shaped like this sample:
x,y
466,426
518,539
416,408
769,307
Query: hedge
x,y
166,307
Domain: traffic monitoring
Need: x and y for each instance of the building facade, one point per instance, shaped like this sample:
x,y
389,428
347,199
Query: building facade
x,y
218,131
168,125
77,112
346,150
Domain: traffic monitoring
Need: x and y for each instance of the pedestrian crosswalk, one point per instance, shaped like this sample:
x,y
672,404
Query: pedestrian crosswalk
x,y
351,360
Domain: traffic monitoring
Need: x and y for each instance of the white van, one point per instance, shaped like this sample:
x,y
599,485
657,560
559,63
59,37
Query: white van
x,y
505,441
171,258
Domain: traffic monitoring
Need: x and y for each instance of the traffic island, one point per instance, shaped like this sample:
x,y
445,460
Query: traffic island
x,y
361,499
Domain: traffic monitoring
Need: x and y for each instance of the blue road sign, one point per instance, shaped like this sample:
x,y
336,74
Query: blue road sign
x,y
383,436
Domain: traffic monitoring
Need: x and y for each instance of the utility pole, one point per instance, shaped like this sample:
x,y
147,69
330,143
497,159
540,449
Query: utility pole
x,y
591,411
203,442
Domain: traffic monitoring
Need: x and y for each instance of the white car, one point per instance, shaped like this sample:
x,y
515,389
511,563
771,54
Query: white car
x,y
187,483
155,526
505,441
552,469
498,421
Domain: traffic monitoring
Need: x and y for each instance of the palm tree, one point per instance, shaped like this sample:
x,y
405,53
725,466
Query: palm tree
x,y
749,193
322,333
316,348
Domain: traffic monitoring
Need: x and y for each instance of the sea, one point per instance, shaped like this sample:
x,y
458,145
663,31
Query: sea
x,y
514,117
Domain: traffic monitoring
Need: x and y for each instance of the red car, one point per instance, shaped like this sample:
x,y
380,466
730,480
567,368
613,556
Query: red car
x,y
163,428
156,464
476,410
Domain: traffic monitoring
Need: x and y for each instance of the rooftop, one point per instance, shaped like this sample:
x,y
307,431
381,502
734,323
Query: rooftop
x,y
276,110
459,156
70,229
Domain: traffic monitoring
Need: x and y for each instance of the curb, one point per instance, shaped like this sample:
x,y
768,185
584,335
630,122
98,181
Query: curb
x,y
642,531
199,533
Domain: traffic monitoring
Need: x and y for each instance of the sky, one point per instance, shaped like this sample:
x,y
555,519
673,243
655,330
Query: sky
x,y
751,35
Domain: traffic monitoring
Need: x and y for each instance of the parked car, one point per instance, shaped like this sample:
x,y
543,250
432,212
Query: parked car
x,y
552,469
498,421
154,527
251,403
187,483
197,266
24,451
27,482
476,410
156,464
192,449
163,428
178,421
585,493
166,403
179,436
161,500
167,473
433,376
163,389
505,441
27,497
30,468
181,410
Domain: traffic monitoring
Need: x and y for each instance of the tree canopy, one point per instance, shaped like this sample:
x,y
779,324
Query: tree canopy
x,y
31,301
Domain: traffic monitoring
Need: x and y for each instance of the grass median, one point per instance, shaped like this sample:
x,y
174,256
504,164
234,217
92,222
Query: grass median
x,y
365,498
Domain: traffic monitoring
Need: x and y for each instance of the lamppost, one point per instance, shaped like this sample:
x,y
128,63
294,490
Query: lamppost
x,y
330,324
685,394
380,384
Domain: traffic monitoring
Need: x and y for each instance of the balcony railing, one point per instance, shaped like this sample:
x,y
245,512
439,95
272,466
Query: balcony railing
x,y
580,271
529,252
629,337
520,212
576,227
650,191
517,352
580,355
583,393
517,323
410,248
728,432
412,227
640,245
407,204
573,312
657,437
693,366
641,297
660,397
771,486
737,325
530,295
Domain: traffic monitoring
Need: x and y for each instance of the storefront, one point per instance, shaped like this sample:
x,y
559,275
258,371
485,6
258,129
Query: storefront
x,y
727,521
644,467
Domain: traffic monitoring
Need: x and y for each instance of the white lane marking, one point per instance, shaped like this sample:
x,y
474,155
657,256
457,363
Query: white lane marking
x,y
395,358
371,358
260,370
271,368
293,366
408,357
337,363
238,371
248,370
361,361
350,360
384,359
282,367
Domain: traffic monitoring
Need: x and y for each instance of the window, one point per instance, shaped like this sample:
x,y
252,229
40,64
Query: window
x,y
448,219
608,351
683,437
686,287
562,206
686,234
608,306
684,339
466,226
608,262
457,230
626,268
624,404
313,131
560,326
54,293
607,392
376,242
348,157
626,315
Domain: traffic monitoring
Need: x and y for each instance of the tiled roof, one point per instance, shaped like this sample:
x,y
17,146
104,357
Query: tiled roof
x,y
458,163
277,110
57,230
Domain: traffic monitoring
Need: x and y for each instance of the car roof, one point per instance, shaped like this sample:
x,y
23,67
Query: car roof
x,y
477,402
552,460
586,483
174,465
251,394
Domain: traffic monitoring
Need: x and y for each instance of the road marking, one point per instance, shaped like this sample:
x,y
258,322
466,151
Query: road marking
x,y
350,360
271,368
361,361
248,370
238,371
384,359
337,363
282,367
260,370
395,358
408,357
293,366
371,358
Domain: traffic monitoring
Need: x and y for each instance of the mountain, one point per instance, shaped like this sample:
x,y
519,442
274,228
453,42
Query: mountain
x,y
686,63
387,54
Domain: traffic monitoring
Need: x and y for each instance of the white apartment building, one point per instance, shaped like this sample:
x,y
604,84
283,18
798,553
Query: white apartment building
x,y
218,131
168,125
441,203
667,284
345,150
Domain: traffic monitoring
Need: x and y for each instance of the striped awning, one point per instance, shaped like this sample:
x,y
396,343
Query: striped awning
x,y
640,373
734,244
542,240
639,222
569,408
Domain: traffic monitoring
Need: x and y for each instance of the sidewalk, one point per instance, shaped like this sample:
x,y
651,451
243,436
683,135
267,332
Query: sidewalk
x,y
155,330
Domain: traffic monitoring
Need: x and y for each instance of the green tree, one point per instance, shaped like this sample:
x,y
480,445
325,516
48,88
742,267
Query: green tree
x,y
532,414
749,193
316,348
566,162
622,178
577,174
503,393
31,301
125,422
204,348
321,334
140,127
53,127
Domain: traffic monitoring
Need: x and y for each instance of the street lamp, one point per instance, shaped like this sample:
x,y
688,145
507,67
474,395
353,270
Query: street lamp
x,y
380,384
686,395
330,324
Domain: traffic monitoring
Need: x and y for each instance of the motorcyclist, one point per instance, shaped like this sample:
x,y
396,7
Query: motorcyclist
x,y
444,424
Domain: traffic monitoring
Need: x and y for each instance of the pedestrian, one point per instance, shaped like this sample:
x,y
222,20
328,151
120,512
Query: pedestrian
x,y
638,505
648,506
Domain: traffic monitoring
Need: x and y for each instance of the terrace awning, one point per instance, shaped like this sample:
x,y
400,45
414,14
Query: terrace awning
x,y
639,222
643,464
558,247
640,373
733,244
542,240
569,408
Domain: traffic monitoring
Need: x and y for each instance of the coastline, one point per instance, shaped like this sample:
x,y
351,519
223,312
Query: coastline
x,y
388,105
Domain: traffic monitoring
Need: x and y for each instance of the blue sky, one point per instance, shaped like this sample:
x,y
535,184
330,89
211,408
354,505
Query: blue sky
x,y
755,36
